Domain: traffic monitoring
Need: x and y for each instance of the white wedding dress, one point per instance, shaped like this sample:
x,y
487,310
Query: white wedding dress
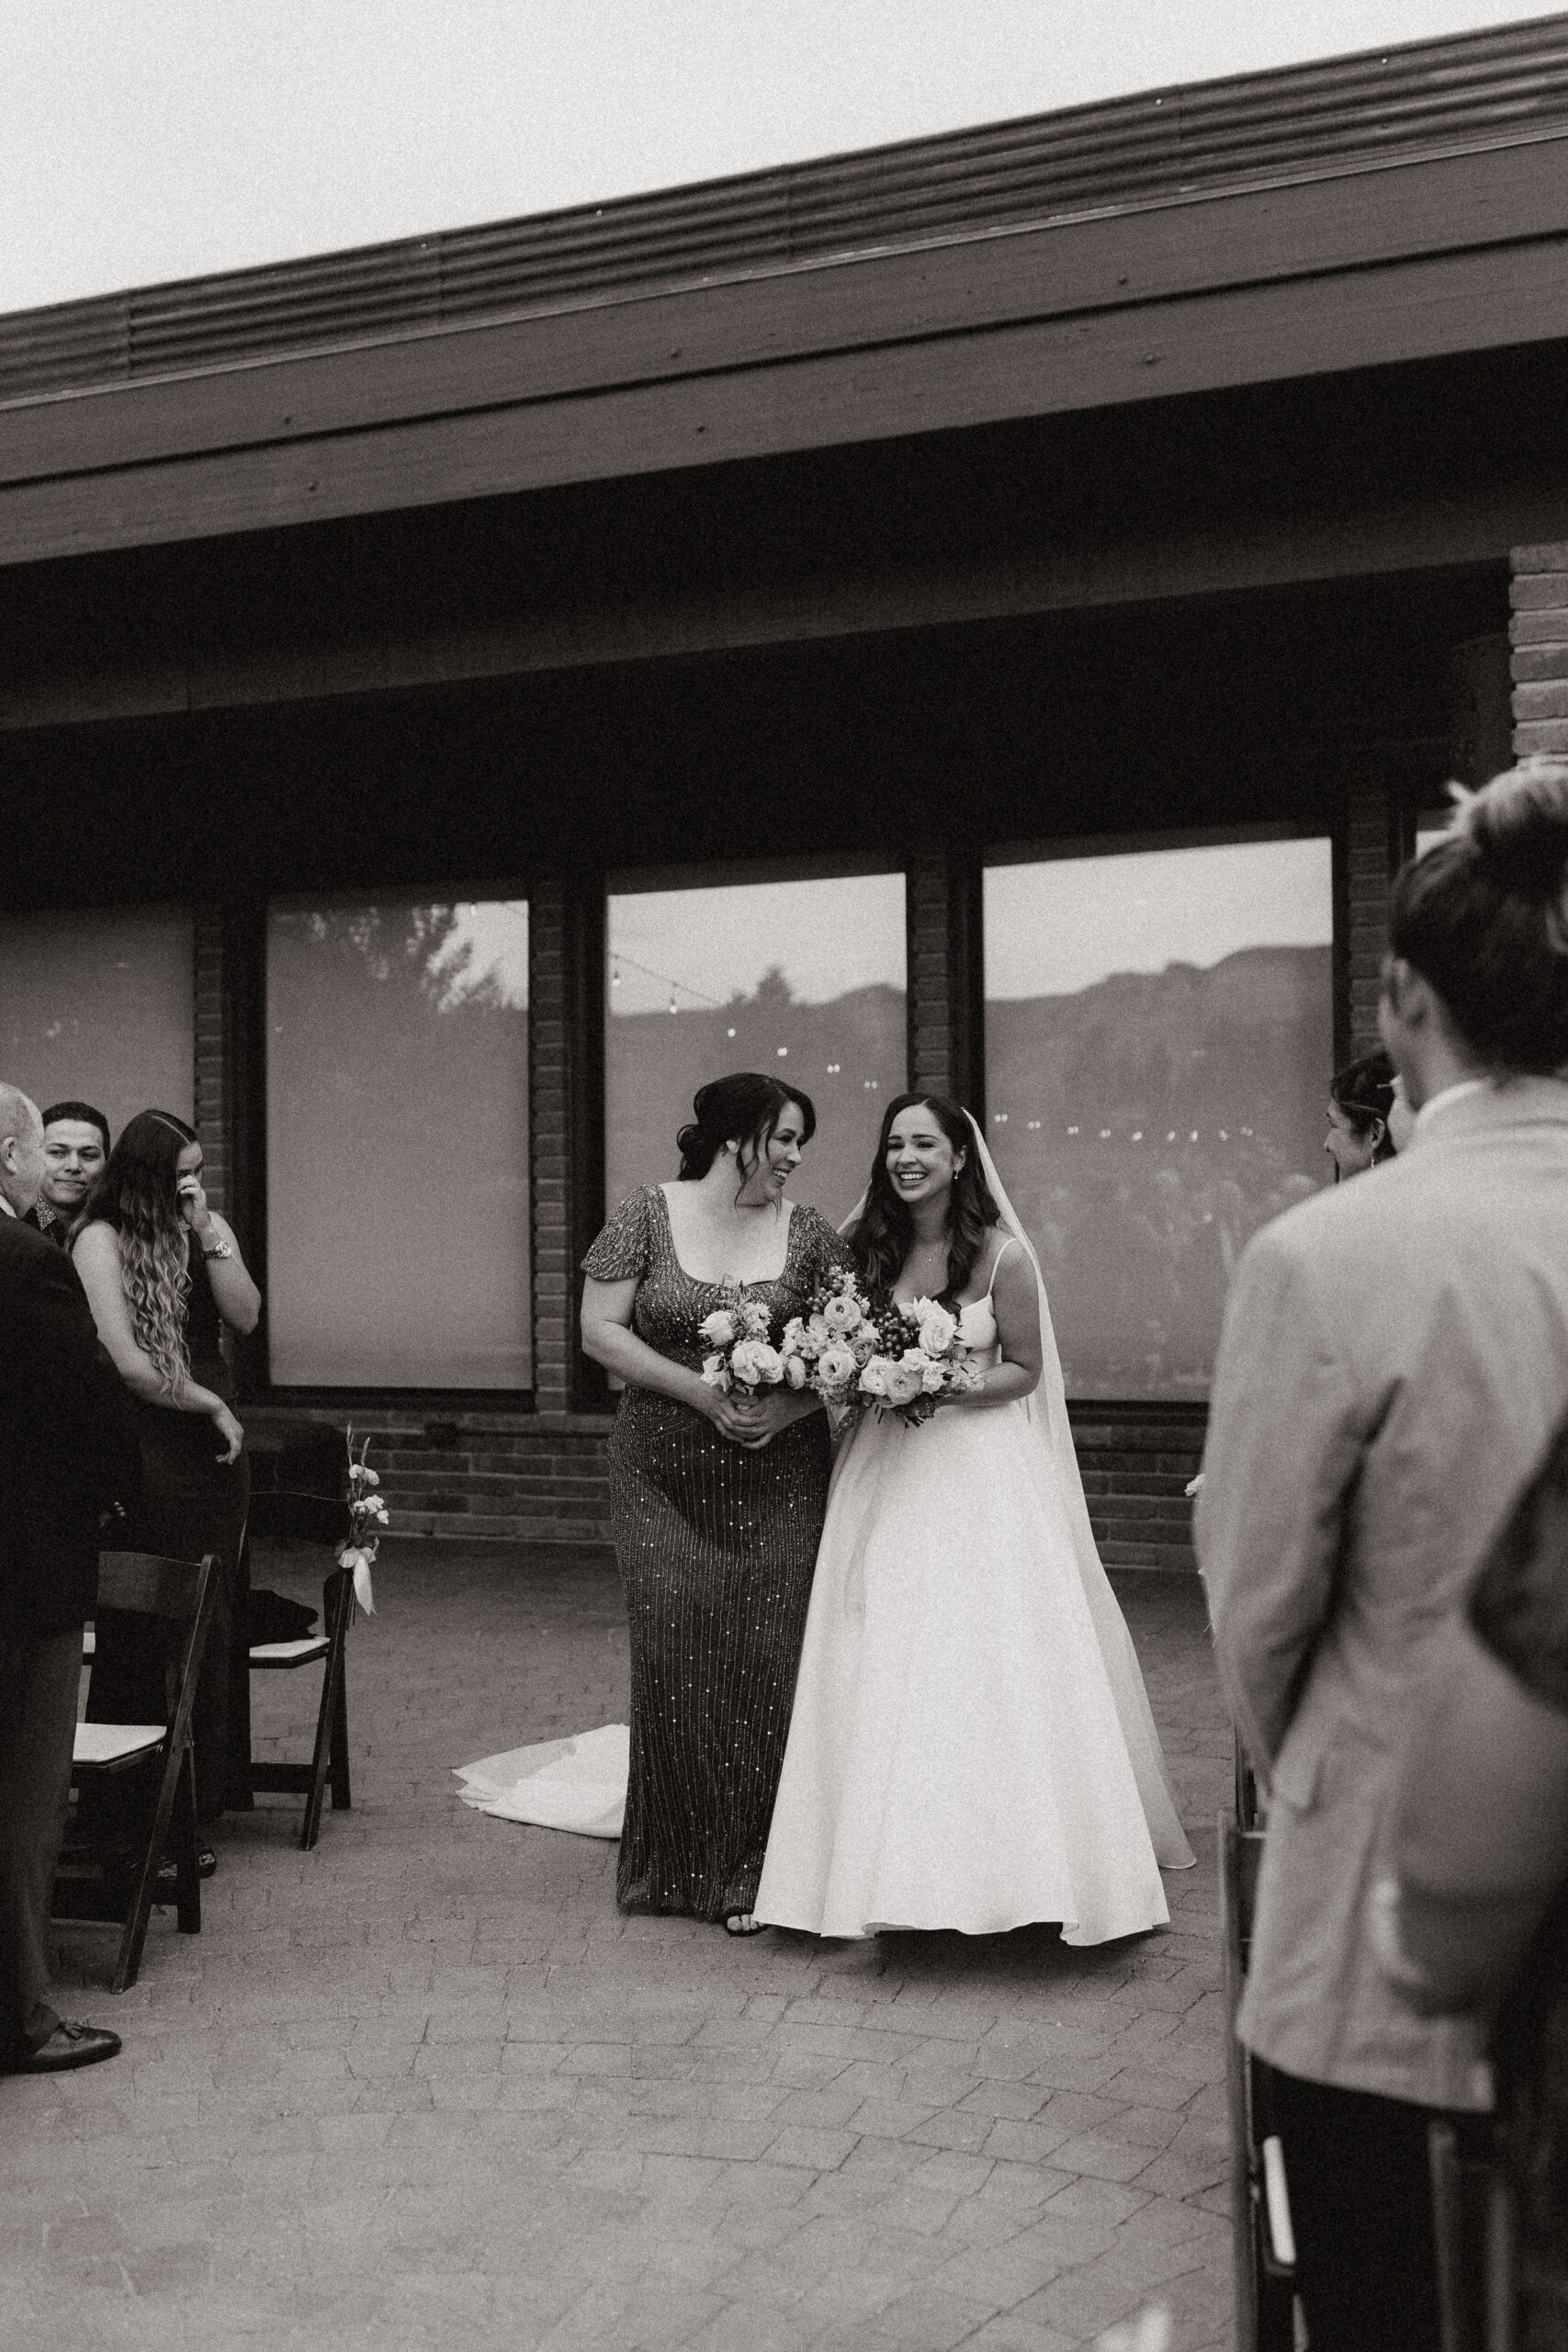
x,y
971,1746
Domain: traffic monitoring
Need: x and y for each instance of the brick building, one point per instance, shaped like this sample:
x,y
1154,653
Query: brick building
x,y
1086,546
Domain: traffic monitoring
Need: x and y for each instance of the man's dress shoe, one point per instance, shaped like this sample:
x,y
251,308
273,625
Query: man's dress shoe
x,y
70,2045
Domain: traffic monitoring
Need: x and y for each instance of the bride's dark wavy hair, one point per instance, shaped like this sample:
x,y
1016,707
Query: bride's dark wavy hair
x,y
884,1233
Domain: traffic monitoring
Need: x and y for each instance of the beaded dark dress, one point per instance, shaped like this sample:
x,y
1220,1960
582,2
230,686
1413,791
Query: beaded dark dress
x,y
716,1546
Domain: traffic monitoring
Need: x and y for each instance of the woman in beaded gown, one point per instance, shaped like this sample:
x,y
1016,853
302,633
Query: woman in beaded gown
x,y
717,1503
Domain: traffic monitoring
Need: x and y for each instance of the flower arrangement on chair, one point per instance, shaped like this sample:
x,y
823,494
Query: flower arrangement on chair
x,y
368,1515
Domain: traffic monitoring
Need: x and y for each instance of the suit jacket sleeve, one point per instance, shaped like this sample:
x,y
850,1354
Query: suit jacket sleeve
x,y
73,1395
1283,1451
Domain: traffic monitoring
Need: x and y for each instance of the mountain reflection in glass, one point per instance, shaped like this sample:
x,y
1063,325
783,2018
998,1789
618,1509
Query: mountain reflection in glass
x,y
803,979
1159,1049
398,1202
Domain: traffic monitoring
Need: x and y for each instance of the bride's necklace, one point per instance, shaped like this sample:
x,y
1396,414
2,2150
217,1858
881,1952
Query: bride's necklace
x,y
924,1271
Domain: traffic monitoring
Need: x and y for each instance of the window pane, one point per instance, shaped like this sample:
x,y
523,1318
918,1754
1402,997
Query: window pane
x,y
397,1150
1158,1049
97,1007
802,979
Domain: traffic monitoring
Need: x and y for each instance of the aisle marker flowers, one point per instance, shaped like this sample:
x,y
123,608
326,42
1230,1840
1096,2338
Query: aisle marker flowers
x,y
367,1517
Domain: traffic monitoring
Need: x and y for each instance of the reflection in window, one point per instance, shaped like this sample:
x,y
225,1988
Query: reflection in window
x,y
1158,1049
97,1007
803,979
397,1149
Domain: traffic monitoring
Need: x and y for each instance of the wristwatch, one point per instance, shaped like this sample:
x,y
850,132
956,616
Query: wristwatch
x,y
219,1250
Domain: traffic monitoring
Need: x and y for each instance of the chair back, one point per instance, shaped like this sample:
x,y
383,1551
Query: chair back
x,y
282,1515
155,1586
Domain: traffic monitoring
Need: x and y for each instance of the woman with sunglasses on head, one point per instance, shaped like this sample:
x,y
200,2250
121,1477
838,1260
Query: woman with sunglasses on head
x,y
164,1276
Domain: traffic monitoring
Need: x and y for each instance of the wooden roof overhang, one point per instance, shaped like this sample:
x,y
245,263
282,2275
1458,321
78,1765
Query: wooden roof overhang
x,y
1399,208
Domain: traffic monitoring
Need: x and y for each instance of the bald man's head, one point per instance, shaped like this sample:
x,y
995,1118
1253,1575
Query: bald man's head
x,y
21,1147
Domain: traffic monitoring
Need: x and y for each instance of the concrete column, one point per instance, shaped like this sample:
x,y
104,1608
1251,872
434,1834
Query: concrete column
x,y
1537,638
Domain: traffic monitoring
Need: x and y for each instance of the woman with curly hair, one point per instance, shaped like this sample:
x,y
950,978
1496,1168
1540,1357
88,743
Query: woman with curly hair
x,y
971,1746
163,1274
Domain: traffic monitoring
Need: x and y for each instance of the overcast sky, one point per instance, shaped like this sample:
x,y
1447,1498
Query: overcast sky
x,y
697,946
147,140
1058,926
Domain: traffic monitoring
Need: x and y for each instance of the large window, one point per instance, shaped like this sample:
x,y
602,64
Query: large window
x,y
396,1089
1158,1049
97,1007
804,979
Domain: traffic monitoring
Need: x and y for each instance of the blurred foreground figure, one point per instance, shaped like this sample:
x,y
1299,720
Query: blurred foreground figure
x,y
1474,1913
1394,1366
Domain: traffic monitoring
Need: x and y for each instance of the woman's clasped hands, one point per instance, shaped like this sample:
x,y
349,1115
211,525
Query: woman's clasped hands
x,y
754,1419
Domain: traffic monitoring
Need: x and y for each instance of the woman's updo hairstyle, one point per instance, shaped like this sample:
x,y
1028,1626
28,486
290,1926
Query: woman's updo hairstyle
x,y
1484,916
744,1110
1363,1090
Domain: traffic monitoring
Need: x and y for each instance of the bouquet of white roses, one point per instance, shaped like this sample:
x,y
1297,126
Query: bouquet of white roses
x,y
825,1350
739,1353
891,1358
923,1362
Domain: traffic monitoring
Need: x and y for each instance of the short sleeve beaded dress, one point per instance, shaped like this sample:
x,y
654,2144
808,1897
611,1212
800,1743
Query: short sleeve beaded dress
x,y
716,1544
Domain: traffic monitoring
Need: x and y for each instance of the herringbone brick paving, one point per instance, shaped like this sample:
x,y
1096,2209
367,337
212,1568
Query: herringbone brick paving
x,y
426,2088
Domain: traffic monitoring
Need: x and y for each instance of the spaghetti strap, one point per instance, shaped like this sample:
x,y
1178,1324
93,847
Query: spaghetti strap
x,y
995,1262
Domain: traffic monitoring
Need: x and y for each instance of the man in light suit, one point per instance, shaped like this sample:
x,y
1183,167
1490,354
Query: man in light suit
x,y
1394,1366
67,1446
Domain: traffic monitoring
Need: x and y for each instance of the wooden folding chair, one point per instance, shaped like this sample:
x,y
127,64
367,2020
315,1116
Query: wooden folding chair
x,y
1262,2246
288,1517
178,1593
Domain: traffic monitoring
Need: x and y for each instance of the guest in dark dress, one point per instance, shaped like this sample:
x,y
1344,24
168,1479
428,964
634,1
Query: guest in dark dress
x,y
163,1274
718,1502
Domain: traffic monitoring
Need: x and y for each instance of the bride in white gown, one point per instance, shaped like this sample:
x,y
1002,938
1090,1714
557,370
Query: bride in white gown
x,y
971,1746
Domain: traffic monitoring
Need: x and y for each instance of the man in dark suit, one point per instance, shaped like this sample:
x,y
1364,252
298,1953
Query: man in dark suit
x,y
67,1448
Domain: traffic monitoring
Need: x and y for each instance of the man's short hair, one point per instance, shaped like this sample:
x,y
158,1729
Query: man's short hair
x,y
18,1111
84,1113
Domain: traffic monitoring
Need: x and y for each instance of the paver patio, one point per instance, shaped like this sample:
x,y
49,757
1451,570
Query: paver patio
x,y
426,2087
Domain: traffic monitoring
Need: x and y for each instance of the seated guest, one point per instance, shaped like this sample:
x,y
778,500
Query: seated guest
x,y
67,1449
1360,1103
1471,1918
75,1146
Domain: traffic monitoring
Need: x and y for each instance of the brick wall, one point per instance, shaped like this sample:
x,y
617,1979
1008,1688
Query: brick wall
x,y
1370,861
930,974
550,1130
543,1478
1537,638
212,1058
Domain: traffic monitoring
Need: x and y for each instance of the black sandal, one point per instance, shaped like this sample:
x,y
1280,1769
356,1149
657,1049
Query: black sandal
x,y
735,1924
